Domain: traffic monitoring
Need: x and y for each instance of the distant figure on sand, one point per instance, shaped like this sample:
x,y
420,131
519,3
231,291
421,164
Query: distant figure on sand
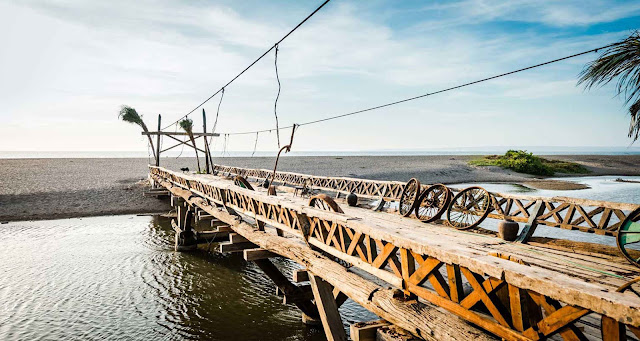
x,y
184,169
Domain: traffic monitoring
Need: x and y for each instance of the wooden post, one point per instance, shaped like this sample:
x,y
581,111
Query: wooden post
x,y
288,288
328,309
158,143
206,145
528,229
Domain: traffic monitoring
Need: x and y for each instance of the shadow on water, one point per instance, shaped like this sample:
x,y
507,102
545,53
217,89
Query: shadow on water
x,y
119,278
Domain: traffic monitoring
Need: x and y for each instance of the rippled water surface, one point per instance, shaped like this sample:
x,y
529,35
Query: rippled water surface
x,y
119,278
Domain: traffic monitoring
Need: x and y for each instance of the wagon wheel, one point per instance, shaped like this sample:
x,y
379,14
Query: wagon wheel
x,y
432,203
469,208
408,198
242,182
324,202
629,234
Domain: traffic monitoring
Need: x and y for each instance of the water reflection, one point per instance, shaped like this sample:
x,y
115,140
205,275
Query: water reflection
x,y
119,278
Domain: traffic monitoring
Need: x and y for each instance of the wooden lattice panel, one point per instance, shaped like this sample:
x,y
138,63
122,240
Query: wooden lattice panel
x,y
599,217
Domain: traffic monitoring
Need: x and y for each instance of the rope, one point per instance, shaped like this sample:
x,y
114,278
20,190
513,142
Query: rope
x,y
435,92
254,62
255,145
275,104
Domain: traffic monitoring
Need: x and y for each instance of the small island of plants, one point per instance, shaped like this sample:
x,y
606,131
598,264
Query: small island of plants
x,y
523,162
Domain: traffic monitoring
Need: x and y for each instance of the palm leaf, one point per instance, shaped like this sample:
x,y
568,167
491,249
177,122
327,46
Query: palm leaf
x,y
187,125
129,114
621,62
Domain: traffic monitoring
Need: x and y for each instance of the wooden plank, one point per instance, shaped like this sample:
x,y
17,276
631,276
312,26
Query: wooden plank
x,y
237,239
253,254
366,331
300,275
328,309
235,247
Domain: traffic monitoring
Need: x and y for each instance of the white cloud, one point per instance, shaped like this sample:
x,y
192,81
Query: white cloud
x,y
77,61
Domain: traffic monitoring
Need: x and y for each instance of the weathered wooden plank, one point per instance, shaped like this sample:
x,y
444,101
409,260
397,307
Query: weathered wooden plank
x,y
254,254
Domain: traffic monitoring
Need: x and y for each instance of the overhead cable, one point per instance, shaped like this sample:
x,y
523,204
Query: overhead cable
x,y
430,93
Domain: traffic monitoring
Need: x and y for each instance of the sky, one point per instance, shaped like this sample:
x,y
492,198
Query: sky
x,y
66,67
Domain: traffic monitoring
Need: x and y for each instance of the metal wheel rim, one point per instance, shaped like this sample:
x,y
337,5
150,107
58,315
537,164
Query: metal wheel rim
x,y
324,202
410,193
469,208
626,231
433,202
242,182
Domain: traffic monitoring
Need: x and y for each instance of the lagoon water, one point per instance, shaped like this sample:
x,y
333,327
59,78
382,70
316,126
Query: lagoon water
x,y
118,278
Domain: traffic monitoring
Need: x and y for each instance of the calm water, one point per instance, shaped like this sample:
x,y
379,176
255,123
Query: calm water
x,y
119,278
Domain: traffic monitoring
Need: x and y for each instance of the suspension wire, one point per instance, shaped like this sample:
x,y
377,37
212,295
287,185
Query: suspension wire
x,y
224,146
433,93
254,62
215,124
255,145
275,104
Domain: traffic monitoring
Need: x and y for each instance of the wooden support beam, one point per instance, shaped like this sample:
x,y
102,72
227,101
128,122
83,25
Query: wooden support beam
x,y
305,294
300,275
255,254
155,193
235,247
366,331
286,287
237,239
203,237
328,309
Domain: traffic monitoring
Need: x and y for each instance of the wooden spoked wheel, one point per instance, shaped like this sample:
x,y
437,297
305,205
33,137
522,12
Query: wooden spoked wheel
x,y
432,203
469,208
242,182
629,235
324,202
408,198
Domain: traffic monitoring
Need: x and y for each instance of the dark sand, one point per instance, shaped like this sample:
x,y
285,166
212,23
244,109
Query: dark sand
x,y
33,189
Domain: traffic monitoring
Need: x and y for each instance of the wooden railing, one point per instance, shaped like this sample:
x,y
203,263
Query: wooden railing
x,y
592,216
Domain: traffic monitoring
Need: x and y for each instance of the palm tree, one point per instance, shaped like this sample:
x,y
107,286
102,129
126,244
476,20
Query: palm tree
x,y
622,62
187,125
129,114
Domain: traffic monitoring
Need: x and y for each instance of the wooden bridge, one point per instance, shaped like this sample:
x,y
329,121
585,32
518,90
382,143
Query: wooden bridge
x,y
430,280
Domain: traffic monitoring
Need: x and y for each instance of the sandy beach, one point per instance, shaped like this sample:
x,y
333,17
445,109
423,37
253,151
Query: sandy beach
x,y
36,189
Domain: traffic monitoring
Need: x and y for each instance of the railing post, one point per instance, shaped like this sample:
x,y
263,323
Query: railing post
x,y
158,143
530,228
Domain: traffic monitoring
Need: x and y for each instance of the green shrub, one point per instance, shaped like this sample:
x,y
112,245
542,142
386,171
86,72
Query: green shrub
x,y
523,162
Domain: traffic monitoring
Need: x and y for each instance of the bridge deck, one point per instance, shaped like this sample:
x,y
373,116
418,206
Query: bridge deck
x,y
513,290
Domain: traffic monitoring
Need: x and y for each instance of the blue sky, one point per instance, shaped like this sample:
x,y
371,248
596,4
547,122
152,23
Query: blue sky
x,y
68,65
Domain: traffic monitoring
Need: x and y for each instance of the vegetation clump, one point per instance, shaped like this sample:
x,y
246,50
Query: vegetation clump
x,y
523,162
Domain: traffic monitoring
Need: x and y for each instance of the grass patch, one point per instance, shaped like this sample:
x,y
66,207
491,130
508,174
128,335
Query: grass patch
x,y
523,162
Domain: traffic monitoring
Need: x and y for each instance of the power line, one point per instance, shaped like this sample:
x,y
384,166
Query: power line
x,y
430,93
254,62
